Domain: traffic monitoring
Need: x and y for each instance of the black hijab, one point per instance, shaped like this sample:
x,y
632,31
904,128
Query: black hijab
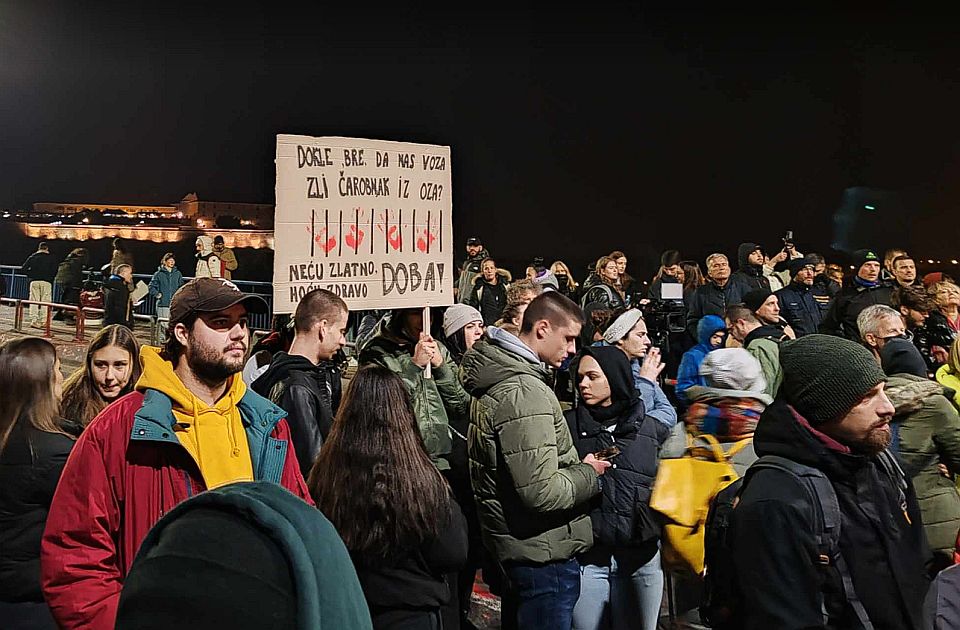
x,y
616,367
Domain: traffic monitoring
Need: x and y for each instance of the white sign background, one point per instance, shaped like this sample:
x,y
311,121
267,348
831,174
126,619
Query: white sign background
x,y
370,220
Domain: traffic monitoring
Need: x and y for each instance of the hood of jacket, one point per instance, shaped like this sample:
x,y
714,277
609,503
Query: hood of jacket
x,y
907,392
503,277
495,358
158,375
782,431
743,251
709,324
767,331
281,365
295,554
206,245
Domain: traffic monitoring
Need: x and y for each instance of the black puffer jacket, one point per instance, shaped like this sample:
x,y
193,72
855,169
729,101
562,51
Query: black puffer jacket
x,y
605,295
620,514
881,537
310,394
841,319
713,300
30,468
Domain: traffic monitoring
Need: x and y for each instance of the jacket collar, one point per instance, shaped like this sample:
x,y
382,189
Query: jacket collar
x,y
154,422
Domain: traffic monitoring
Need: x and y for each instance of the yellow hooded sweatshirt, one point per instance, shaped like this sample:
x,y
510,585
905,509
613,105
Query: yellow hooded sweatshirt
x,y
213,436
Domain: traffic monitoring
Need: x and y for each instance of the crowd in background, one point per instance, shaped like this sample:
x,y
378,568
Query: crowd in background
x,y
523,435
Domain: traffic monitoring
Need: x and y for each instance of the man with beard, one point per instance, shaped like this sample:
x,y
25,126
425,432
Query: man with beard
x,y
750,257
833,419
191,425
470,269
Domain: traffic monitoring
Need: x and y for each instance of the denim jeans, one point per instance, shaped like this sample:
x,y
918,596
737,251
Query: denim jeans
x,y
547,593
622,594
163,311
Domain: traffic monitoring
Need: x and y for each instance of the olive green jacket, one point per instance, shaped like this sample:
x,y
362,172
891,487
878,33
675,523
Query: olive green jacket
x,y
434,400
530,486
929,434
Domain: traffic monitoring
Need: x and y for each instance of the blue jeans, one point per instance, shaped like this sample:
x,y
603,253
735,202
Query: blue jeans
x,y
620,595
547,593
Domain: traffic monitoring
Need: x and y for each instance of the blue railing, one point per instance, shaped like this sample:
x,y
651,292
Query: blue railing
x,y
18,287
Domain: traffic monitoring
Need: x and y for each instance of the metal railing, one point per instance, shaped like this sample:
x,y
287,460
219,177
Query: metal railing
x,y
18,287
48,326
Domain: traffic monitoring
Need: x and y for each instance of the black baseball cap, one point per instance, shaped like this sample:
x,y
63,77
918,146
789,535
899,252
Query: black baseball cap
x,y
208,295
473,241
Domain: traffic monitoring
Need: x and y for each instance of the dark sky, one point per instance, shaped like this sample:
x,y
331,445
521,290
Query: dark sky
x,y
573,132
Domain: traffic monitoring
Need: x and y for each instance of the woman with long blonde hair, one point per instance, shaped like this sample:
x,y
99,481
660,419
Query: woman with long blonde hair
x,y
568,286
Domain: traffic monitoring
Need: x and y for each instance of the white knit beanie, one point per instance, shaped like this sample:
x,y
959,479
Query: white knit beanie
x,y
458,316
622,325
733,369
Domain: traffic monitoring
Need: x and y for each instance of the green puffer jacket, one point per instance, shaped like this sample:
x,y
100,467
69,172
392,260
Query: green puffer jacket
x,y
530,486
929,432
434,400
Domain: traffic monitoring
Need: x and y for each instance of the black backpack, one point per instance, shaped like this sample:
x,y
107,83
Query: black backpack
x,y
721,600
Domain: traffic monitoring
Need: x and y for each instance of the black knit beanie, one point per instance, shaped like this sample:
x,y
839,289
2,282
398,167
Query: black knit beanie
x,y
824,376
755,299
862,257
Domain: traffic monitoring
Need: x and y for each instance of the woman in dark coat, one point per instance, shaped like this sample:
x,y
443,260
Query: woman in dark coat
x,y
621,581
34,445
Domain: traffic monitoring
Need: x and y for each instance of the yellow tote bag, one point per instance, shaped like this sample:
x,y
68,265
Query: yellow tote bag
x,y
682,492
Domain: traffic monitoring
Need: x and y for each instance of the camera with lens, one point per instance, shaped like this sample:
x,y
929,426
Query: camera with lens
x,y
663,318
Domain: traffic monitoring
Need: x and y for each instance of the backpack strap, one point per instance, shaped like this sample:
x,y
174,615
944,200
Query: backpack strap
x,y
826,525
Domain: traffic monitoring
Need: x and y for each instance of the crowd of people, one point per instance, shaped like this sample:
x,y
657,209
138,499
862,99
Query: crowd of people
x,y
522,433
113,294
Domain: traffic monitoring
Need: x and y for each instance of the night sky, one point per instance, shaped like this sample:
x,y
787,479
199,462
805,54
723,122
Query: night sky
x,y
573,132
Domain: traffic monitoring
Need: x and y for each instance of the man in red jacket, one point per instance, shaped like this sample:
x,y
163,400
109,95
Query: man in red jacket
x,y
190,425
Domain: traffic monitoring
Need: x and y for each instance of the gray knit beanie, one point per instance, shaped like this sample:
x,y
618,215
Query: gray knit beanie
x,y
458,316
824,376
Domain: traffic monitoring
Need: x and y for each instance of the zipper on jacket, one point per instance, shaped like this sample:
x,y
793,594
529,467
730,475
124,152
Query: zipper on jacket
x,y
186,479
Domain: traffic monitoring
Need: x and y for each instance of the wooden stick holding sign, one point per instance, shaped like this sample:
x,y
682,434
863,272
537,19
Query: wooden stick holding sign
x,y
426,330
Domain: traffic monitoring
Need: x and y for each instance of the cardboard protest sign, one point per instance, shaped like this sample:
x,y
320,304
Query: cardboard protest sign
x,y
370,220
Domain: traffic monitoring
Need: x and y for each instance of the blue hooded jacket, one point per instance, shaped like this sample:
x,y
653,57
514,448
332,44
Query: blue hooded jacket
x,y
688,374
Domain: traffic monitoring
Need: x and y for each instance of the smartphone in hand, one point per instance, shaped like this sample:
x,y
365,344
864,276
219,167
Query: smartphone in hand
x,y
607,453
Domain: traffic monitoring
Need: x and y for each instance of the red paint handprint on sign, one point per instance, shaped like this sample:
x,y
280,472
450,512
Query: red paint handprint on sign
x,y
425,237
392,232
354,237
325,243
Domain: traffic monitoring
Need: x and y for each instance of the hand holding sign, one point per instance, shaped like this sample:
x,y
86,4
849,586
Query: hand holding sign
x,y
426,352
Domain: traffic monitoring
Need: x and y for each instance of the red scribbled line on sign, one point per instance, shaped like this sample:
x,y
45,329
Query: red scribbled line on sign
x,y
354,237
423,236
